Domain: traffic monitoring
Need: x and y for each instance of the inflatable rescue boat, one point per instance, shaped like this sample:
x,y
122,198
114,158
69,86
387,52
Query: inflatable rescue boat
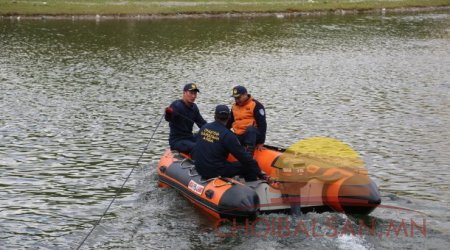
x,y
303,184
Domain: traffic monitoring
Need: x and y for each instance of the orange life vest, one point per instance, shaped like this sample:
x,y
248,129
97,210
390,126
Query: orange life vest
x,y
243,116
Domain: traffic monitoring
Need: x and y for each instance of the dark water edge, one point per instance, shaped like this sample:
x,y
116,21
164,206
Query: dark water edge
x,y
236,14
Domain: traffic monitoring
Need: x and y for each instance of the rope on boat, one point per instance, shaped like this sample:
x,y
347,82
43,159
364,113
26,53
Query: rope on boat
x,y
123,184
227,182
185,160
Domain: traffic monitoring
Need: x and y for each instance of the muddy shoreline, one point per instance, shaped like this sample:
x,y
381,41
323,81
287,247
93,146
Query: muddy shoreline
x,y
224,14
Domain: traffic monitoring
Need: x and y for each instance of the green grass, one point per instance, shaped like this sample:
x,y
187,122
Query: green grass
x,y
132,7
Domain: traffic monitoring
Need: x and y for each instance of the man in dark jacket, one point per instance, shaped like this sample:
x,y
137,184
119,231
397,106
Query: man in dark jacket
x,y
214,144
181,115
248,119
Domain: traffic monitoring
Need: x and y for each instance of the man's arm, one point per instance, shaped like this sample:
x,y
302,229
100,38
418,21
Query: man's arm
x,y
230,120
199,118
171,112
260,117
232,144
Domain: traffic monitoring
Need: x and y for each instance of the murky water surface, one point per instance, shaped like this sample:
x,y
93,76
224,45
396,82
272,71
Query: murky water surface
x,y
80,100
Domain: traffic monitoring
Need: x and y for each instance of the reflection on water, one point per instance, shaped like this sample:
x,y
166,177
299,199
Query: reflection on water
x,y
79,101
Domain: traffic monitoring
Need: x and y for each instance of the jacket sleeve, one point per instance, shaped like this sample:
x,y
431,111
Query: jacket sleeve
x,y
260,117
232,144
230,120
198,118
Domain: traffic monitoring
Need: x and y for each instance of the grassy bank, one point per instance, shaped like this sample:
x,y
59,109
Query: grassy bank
x,y
145,7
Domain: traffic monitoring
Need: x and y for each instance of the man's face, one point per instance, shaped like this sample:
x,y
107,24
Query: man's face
x,y
241,99
189,96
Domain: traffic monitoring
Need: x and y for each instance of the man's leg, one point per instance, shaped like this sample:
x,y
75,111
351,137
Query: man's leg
x,y
249,139
185,145
232,169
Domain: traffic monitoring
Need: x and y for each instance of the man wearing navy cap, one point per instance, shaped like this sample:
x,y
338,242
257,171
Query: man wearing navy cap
x,y
214,144
248,119
181,115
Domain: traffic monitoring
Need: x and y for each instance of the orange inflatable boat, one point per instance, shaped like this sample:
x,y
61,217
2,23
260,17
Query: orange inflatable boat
x,y
303,185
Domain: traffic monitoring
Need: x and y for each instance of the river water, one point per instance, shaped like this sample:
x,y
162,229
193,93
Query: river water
x,y
81,99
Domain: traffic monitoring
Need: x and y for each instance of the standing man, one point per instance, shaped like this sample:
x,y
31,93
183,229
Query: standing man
x,y
215,143
181,115
248,119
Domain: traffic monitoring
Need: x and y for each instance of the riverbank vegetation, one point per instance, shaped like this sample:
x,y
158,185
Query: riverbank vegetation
x,y
152,7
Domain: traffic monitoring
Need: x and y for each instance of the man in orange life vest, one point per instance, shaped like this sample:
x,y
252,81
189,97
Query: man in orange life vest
x,y
248,120
181,115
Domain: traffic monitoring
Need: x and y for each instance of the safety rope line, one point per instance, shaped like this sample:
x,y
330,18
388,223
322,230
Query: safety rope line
x,y
123,184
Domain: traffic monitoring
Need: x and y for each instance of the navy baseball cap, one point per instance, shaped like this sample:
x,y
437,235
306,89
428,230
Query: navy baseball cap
x,y
190,87
238,91
222,110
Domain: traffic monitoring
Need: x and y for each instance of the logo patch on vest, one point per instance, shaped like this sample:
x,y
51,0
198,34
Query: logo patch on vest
x,y
261,111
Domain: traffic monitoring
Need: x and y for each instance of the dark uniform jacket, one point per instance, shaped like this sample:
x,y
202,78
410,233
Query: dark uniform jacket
x,y
214,144
182,121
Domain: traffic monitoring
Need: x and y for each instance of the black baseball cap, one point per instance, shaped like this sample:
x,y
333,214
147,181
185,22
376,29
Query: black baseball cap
x,y
190,87
222,110
238,91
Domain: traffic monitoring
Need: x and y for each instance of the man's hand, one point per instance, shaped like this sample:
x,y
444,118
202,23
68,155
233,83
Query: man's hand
x,y
168,113
169,110
271,182
263,176
259,146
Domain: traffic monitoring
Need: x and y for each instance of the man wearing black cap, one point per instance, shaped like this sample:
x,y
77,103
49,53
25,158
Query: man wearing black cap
x,y
213,146
248,119
181,115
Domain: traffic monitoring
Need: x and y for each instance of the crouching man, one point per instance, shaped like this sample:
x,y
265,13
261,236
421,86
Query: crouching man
x,y
214,144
